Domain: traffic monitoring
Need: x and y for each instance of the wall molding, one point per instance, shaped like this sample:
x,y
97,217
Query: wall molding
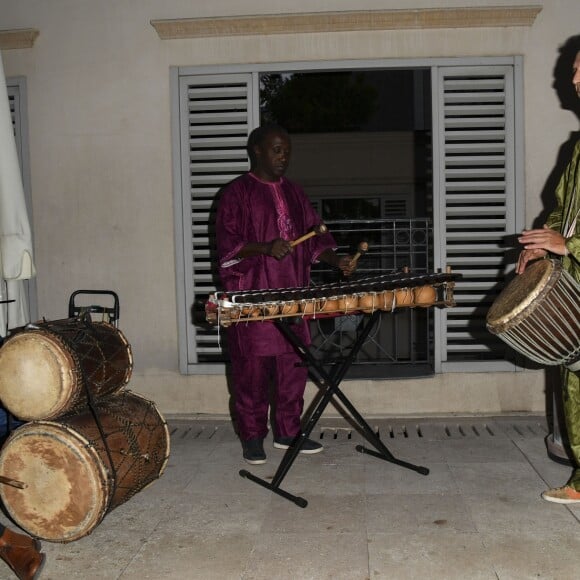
x,y
305,22
21,38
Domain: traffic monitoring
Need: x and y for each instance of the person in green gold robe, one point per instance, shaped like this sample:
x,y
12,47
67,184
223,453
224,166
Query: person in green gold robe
x,y
560,236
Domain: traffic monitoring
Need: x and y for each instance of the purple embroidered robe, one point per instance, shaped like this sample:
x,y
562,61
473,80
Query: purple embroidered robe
x,y
251,210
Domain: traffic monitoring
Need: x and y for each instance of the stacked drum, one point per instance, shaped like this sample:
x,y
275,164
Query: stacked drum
x,y
89,444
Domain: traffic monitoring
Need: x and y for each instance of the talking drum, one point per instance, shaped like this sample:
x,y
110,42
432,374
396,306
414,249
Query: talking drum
x,y
46,369
72,475
538,314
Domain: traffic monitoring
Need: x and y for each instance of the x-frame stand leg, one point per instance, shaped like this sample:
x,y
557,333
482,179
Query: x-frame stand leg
x,y
328,382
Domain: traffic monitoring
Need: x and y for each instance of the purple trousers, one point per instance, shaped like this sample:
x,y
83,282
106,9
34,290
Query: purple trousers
x,y
252,377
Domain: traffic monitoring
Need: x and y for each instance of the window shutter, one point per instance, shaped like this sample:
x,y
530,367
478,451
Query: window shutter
x,y
474,168
477,193
216,118
395,208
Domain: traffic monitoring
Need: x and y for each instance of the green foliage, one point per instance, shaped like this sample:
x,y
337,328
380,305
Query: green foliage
x,y
315,103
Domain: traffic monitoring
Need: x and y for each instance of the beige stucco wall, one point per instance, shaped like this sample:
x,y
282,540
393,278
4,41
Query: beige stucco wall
x,y
100,149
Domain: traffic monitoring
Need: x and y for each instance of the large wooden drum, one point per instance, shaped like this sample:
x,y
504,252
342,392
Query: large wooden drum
x,y
45,369
538,314
74,476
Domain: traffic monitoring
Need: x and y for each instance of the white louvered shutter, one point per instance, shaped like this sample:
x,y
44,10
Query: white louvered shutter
x,y
475,193
215,120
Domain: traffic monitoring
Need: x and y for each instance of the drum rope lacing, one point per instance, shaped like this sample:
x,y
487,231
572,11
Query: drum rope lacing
x,y
109,363
87,321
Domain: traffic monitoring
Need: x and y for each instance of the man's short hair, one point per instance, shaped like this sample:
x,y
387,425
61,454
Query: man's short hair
x,y
258,136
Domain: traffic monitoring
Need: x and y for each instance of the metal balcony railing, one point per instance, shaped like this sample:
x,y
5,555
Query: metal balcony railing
x,y
401,342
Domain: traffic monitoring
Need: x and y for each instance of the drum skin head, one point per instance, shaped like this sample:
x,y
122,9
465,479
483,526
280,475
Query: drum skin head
x,y
46,371
66,494
517,299
37,375
66,465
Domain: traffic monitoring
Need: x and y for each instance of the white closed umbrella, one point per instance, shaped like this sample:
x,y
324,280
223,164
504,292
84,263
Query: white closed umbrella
x,y
16,256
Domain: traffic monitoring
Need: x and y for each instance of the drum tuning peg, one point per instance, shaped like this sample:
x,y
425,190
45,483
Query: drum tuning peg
x,y
13,482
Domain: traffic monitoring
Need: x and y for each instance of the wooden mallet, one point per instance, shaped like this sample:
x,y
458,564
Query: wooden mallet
x,y
362,249
316,231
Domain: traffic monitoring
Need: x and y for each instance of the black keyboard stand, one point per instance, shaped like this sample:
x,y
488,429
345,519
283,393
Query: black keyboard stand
x,y
328,382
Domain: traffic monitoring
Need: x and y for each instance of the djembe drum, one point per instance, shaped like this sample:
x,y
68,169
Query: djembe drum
x,y
538,314
75,470
46,369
